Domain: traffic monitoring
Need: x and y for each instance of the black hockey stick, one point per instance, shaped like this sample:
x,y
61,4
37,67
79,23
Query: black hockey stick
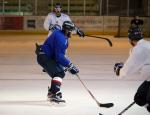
x,y
126,108
110,43
106,105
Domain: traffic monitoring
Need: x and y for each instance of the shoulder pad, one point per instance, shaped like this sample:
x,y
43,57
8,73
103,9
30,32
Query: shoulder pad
x,y
51,13
65,15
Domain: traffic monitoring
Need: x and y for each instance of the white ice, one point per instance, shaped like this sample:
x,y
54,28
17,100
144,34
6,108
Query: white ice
x,y
23,86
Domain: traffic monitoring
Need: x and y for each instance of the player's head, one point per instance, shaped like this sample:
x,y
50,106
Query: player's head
x,y
57,9
136,17
134,35
68,27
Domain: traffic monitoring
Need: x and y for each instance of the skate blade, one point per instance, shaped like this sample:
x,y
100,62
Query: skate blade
x,y
56,103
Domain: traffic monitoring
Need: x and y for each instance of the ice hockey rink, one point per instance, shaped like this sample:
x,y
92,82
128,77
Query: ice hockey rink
x,y
23,85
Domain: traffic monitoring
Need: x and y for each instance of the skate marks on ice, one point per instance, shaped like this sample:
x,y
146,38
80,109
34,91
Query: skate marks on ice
x,y
43,103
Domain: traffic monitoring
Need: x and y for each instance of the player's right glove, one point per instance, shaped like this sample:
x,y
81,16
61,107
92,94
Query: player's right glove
x,y
117,68
72,69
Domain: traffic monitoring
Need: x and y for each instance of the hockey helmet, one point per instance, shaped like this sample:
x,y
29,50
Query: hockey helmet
x,y
57,5
135,33
68,25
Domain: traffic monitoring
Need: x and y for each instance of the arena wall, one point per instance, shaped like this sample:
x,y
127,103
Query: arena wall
x,y
124,24
11,22
112,25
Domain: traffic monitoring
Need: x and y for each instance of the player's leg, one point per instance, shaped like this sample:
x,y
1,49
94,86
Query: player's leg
x,y
148,98
56,72
141,95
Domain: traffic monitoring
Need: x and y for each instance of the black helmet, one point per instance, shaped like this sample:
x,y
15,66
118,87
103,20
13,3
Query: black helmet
x,y
135,33
68,25
57,5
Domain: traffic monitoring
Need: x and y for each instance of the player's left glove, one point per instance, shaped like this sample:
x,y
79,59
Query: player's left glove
x,y
80,32
72,69
117,68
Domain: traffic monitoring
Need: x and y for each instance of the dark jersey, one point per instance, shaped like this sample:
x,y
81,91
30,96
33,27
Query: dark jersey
x,y
137,22
55,47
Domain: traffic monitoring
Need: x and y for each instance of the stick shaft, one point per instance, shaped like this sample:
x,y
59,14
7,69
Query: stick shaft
x,y
88,90
110,43
126,108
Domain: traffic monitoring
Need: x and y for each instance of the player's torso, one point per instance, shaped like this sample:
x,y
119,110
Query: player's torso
x,y
145,70
54,43
137,22
58,20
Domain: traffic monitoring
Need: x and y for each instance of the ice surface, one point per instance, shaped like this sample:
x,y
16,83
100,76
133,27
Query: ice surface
x,y
23,86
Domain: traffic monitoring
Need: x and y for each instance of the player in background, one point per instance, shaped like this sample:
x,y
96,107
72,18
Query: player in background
x,y
138,62
137,22
52,57
55,19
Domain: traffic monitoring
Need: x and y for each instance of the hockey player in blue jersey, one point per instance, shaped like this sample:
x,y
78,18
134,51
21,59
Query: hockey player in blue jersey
x,y
52,57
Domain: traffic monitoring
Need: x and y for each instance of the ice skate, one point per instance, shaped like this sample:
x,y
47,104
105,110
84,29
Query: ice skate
x,y
55,97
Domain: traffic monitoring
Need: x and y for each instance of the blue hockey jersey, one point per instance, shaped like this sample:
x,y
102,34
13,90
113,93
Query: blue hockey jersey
x,y
55,47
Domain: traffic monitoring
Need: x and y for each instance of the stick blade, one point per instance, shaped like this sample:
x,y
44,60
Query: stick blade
x,y
110,43
106,105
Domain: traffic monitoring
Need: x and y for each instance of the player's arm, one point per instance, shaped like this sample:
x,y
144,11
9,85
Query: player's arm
x,y
141,22
132,21
60,55
62,59
77,30
133,63
47,22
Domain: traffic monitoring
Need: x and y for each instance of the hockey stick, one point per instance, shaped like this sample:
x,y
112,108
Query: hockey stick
x,y
131,103
126,108
110,43
106,105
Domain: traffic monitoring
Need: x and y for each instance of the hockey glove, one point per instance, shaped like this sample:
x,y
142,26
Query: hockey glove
x,y
117,68
80,33
72,69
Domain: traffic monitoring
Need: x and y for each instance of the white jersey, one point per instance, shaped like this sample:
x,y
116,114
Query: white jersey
x,y
52,19
138,61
